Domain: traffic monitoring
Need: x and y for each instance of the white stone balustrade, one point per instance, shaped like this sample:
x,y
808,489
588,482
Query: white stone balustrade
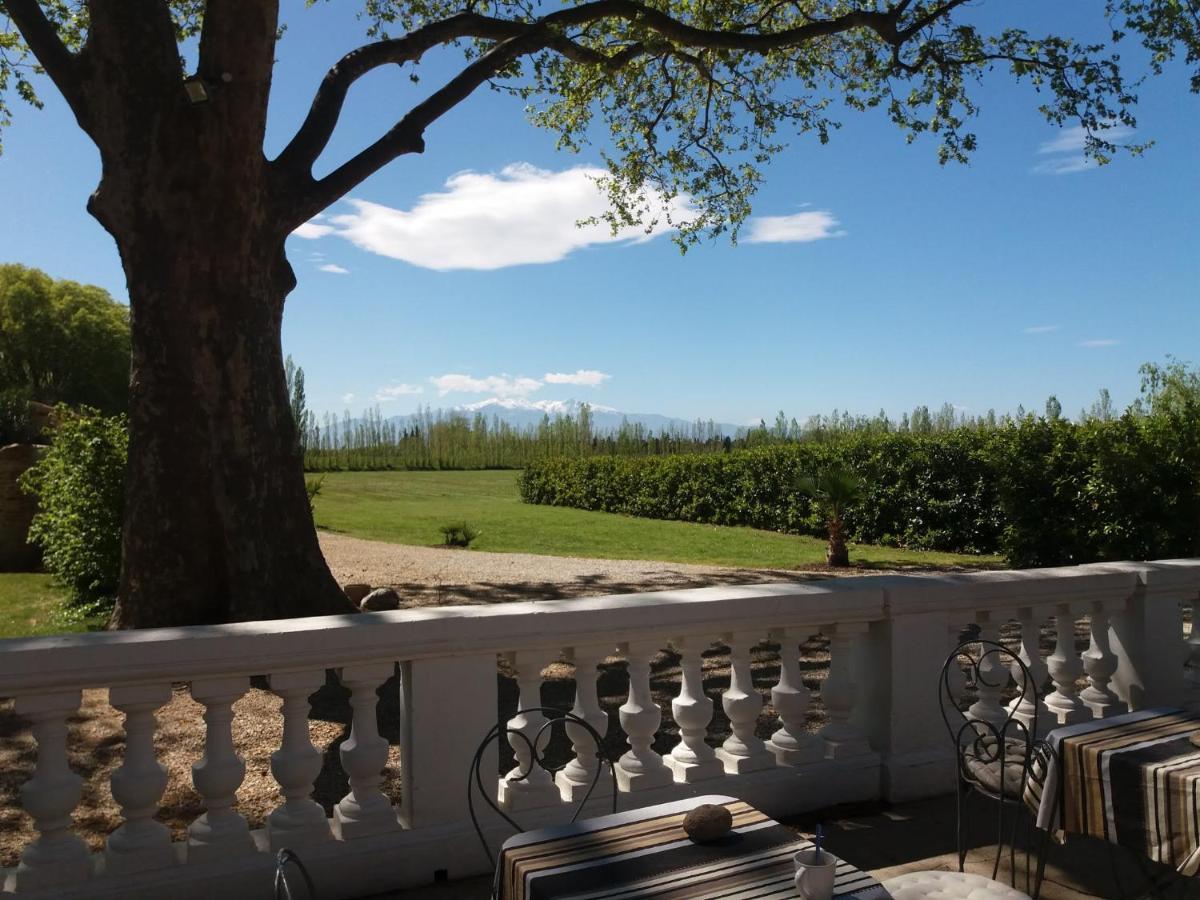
x,y
527,785
1100,664
140,843
692,759
222,831
956,679
991,672
366,810
57,856
742,751
884,735
299,821
1025,705
580,774
792,745
1192,653
840,692
1065,669
641,768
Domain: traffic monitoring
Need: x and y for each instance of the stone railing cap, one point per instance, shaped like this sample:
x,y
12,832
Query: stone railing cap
x,y
252,648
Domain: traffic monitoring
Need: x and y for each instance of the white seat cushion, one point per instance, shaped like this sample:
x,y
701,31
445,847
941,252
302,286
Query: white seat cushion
x,y
949,886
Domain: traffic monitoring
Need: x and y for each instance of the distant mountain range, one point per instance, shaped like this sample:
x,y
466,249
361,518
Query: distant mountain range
x,y
523,413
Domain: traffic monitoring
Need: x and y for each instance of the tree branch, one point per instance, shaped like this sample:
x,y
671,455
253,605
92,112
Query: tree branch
x,y
60,64
314,134
516,39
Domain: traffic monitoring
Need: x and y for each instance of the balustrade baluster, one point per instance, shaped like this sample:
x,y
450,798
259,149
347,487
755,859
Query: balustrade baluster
x,y
1100,663
641,767
221,831
692,759
956,680
141,842
792,744
743,750
1191,658
528,785
575,779
839,694
56,857
1026,708
366,810
1065,668
299,821
991,673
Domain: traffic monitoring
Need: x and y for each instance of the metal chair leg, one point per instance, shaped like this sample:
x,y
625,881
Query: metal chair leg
x,y
959,800
999,838
1043,851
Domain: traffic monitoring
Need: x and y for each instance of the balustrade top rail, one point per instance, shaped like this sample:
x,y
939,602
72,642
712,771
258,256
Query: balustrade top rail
x,y
181,654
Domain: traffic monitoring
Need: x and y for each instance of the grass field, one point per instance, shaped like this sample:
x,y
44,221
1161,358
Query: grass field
x,y
29,605
410,507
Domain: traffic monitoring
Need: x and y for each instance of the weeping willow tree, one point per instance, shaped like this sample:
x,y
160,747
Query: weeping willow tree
x,y
694,96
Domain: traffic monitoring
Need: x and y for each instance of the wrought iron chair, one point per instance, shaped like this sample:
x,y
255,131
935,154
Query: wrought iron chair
x,y
995,746
535,747
283,888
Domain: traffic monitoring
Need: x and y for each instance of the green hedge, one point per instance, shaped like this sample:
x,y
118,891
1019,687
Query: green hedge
x,y
1042,492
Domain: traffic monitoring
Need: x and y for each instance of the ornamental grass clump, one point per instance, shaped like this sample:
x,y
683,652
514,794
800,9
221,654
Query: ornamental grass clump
x,y
458,534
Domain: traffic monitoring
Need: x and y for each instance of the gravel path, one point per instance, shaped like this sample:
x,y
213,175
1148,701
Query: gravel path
x,y
435,576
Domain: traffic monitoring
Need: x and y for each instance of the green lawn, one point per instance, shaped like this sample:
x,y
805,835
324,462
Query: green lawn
x,y
29,605
409,508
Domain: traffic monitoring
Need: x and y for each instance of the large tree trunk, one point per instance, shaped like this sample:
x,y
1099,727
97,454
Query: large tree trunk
x,y
217,525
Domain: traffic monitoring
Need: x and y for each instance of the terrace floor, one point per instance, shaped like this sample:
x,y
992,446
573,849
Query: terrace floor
x,y
919,836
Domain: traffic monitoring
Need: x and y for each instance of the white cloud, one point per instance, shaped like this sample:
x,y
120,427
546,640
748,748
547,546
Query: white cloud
x,y
582,377
334,268
1066,150
1100,342
393,391
1041,329
801,227
500,385
488,221
313,229
348,398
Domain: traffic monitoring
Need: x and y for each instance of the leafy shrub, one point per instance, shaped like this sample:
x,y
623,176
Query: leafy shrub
x,y
79,483
312,487
458,534
1041,491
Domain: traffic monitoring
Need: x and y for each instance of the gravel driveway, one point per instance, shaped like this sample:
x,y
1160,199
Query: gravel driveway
x,y
436,576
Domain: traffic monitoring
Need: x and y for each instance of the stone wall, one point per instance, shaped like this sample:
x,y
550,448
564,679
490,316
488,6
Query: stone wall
x,y
16,509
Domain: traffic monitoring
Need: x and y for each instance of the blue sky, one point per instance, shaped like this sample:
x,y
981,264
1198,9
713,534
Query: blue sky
x,y
880,279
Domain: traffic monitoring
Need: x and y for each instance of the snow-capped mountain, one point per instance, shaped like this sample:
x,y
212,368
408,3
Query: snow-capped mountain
x,y
522,412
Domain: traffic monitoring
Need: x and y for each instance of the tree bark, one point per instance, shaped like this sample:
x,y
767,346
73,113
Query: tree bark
x,y
837,553
217,525
217,522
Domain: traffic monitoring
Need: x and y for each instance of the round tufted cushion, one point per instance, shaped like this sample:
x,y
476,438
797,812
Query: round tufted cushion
x,y
949,886
983,763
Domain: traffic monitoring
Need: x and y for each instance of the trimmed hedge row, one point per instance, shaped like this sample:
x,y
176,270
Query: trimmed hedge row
x,y
1042,492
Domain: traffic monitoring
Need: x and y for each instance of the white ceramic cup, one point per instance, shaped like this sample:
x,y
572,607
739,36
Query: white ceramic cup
x,y
814,880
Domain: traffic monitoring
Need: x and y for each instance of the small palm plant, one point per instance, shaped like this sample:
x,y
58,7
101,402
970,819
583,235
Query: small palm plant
x,y
834,490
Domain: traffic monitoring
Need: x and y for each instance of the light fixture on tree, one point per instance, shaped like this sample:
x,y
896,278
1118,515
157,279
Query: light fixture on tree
x,y
199,90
